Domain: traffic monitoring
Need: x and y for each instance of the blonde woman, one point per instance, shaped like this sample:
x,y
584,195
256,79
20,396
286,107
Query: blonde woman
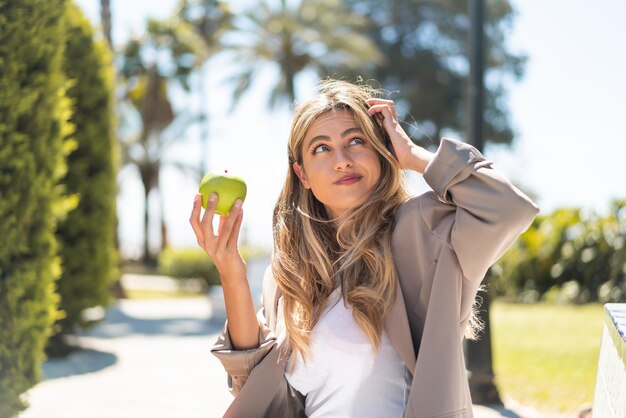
x,y
370,292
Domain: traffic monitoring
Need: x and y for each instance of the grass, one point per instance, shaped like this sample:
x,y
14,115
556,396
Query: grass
x,y
546,356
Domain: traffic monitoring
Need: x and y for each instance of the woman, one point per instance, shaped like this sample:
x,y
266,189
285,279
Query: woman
x,y
370,292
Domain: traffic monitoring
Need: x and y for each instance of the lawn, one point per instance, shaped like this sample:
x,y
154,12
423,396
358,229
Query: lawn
x,y
545,356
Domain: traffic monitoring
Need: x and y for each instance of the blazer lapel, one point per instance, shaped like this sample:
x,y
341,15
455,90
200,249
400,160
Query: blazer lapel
x,y
397,327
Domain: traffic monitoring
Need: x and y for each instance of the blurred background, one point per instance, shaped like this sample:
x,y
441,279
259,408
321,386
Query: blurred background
x,y
554,77
113,111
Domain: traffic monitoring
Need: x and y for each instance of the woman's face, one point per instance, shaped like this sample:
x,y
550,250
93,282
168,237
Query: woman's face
x,y
339,164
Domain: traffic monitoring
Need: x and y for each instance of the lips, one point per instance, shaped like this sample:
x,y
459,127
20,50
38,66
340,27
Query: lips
x,y
349,179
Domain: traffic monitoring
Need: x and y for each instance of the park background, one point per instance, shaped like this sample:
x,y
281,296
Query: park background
x,y
566,114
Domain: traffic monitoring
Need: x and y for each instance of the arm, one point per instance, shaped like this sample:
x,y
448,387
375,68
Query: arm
x,y
240,363
222,248
474,211
490,212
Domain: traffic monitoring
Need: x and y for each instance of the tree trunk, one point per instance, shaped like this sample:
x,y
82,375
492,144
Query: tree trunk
x,y
479,357
146,227
478,353
149,175
164,242
291,91
105,18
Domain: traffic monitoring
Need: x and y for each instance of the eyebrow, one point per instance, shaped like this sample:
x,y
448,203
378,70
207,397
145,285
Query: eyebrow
x,y
326,138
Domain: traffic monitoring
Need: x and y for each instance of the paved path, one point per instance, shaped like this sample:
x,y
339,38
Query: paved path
x,y
149,358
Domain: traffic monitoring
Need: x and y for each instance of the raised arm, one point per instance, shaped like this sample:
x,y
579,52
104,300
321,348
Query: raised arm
x,y
489,212
485,212
222,247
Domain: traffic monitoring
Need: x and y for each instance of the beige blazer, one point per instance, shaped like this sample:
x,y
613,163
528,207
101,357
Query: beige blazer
x,y
443,243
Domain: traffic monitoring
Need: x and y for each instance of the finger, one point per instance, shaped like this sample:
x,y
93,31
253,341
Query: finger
x,y
207,219
227,226
378,102
234,235
194,219
385,111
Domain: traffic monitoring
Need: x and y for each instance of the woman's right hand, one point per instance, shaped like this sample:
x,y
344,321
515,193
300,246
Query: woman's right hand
x,y
221,247
243,326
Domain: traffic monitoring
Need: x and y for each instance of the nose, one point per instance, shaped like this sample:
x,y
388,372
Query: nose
x,y
342,159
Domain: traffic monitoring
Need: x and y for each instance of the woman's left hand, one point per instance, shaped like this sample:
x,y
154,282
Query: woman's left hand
x,y
410,156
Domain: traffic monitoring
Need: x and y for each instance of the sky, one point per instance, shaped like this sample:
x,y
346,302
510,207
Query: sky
x,y
568,112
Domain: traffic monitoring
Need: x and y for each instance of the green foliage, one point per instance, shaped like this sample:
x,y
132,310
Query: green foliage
x,y
567,256
87,235
425,48
210,19
295,37
33,129
153,65
189,263
193,263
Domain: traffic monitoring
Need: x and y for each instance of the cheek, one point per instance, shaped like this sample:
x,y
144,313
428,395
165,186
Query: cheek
x,y
375,167
314,169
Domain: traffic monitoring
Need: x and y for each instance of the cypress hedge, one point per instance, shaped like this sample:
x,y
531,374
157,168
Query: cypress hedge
x,y
33,146
87,235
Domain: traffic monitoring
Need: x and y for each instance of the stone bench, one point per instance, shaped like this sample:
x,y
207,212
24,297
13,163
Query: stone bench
x,y
609,400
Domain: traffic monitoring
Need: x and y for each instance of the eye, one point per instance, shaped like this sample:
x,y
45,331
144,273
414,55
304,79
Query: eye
x,y
356,141
320,148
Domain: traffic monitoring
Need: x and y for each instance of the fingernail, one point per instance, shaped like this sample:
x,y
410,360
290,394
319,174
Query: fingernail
x,y
238,203
196,199
213,197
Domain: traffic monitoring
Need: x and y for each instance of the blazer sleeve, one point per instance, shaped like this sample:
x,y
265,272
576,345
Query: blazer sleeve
x,y
239,363
489,212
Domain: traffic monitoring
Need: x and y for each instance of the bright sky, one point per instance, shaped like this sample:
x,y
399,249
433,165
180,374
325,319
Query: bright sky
x,y
568,112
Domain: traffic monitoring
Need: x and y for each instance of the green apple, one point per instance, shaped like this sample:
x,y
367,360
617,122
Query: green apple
x,y
228,189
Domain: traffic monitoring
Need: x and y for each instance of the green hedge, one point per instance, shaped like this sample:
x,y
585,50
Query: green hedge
x,y
33,129
569,256
193,263
87,235
189,263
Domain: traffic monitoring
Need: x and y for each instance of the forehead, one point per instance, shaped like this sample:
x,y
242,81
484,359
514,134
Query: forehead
x,y
334,121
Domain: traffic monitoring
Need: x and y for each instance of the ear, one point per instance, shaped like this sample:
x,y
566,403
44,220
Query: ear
x,y
301,175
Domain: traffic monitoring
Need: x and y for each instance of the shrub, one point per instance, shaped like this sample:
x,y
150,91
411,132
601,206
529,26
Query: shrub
x,y
193,263
33,128
87,235
189,263
569,256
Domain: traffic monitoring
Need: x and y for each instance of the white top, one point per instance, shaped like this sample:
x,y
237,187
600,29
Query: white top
x,y
343,377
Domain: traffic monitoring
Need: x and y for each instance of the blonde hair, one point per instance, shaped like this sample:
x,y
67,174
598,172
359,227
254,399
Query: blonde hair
x,y
313,254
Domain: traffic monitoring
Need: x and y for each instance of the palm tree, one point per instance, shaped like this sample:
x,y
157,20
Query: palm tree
x,y
318,35
153,66
211,19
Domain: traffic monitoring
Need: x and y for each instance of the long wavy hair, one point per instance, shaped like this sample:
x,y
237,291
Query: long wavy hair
x,y
314,254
